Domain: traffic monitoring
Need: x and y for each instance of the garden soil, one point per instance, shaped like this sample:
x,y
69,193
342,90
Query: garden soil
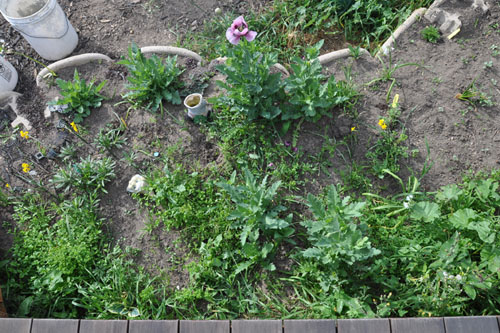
x,y
454,136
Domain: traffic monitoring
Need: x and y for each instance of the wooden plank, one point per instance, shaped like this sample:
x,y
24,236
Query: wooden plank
x,y
363,326
252,326
309,326
417,325
471,324
103,326
54,326
153,326
204,326
15,325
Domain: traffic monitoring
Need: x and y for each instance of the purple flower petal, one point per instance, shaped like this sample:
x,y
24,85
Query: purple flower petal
x,y
250,36
287,143
270,165
231,37
295,149
238,22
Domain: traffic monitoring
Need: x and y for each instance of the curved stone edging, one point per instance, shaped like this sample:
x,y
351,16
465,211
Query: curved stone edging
x,y
172,50
386,47
4,95
344,53
77,60
339,54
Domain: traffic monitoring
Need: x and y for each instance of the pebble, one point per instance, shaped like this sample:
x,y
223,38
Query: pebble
x,y
218,11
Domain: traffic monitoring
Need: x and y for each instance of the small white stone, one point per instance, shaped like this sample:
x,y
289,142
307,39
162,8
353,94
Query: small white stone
x,y
136,184
218,11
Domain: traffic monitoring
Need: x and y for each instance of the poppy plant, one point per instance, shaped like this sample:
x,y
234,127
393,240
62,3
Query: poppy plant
x,y
238,29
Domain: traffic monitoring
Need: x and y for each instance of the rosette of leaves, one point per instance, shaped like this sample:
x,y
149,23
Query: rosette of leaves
x,y
151,80
310,98
251,89
79,96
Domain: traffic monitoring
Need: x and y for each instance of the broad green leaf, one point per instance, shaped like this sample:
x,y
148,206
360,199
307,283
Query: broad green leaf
x,y
426,211
461,218
470,291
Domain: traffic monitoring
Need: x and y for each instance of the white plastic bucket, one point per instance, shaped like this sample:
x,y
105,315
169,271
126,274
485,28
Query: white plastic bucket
x,y
43,24
196,105
8,76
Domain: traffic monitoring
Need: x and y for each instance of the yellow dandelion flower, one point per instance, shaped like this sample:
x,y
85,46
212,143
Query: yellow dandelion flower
x,y
25,134
74,127
382,124
7,185
395,101
353,128
26,167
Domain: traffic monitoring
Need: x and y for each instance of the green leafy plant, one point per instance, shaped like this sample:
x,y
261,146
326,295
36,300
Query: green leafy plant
x,y
336,237
251,89
257,217
110,138
151,80
474,96
309,98
430,34
88,175
79,96
388,150
355,52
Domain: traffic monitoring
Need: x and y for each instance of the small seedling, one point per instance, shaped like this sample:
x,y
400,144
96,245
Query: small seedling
x,y
488,64
355,52
495,50
430,34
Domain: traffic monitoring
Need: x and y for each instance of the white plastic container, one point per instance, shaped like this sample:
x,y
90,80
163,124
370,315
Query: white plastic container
x,y
196,105
8,76
43,24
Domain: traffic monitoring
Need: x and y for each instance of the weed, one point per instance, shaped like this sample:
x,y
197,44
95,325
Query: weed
x,y
430,34
151,80
388,71
388,151
309,98
88,175
79,96
355,52
110,138
474,96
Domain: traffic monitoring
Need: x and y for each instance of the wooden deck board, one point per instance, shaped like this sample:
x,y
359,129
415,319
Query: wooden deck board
x,y
310,326
260,326
14,325
202,326
417,325
103,326
54,326
471,325
363,326
153,326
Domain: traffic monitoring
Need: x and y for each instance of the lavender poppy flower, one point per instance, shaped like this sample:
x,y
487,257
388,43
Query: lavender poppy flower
x,y
239,29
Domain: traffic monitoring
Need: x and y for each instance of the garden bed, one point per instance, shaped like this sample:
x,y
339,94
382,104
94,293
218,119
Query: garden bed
x,y
336,215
